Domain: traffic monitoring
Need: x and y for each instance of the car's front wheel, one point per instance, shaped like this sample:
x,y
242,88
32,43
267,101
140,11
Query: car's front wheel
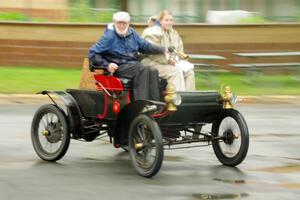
x,y
232,146
145,145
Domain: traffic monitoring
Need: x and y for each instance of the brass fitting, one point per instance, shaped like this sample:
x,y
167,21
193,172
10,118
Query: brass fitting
x,y
170,94
182,55
45,133
138,146
226,98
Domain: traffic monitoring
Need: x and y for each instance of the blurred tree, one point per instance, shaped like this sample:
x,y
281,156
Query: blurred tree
x,y
298,14
234,4
124,5
86,11
215,4
79,11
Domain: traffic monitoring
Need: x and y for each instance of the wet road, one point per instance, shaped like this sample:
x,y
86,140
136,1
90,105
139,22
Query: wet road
x,y
98,171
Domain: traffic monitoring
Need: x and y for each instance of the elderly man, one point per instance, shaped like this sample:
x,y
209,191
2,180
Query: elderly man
x,y
117,50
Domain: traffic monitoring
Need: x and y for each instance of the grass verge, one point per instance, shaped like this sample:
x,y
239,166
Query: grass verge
x,y
28,80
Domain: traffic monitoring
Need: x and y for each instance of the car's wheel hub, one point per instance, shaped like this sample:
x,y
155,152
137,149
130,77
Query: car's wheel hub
x,y
228,136
54,132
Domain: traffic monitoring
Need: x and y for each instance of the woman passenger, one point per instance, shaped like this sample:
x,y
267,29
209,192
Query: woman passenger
x,y
163,34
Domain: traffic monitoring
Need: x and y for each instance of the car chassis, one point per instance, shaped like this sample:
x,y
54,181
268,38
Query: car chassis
x,y
141,127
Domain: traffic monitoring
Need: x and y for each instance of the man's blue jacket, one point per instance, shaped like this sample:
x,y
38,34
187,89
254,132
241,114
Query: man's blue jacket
x,y
113,48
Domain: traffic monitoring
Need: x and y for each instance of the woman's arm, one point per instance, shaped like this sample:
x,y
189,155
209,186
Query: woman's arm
x,y
153,35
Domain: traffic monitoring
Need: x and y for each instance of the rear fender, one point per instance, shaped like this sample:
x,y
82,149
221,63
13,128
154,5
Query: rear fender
x,y
128,113
73,112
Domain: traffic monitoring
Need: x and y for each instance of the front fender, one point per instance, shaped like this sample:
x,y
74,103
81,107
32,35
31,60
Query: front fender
x,y
73,111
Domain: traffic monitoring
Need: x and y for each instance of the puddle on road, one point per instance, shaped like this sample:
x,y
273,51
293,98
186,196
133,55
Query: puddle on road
x,y
293,158
290,185
220,196
230,181
173,158
260,183
88,158
282,169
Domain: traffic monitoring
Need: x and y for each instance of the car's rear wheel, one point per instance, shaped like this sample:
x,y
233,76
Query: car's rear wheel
x,y
145,145
232,146
50,133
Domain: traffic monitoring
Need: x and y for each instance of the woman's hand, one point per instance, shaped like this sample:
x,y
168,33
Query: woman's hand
x,y
169,58
112,67
171,61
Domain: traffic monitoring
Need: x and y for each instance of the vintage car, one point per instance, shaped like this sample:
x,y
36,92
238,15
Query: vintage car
x,y
143,128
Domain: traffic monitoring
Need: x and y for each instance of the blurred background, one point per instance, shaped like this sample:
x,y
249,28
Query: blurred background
x,y
253,45
191,11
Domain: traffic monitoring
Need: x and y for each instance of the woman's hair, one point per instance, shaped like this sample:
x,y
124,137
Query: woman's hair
x,y
163,13
152,21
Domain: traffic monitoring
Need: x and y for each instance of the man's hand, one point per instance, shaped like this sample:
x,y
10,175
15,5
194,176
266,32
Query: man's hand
x,y
112,67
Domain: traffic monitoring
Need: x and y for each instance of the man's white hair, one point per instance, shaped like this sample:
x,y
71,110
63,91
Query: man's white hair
x,y
121,17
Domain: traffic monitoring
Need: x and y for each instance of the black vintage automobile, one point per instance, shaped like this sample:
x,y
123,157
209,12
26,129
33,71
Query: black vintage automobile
x,y
144,128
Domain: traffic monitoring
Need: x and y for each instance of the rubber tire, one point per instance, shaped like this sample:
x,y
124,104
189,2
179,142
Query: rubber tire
x,y
50,108
151,123
240,156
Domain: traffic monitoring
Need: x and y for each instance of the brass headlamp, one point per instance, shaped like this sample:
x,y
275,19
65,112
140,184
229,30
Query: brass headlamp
x,y
172,98
228,98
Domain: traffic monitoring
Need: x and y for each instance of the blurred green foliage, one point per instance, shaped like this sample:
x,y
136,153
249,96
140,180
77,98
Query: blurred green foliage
x,y
298,16
254,20
17,16
81,12
14,80
28,80
13,16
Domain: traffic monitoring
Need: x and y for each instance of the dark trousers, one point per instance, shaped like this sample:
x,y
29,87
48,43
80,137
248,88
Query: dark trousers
x,y
145,80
